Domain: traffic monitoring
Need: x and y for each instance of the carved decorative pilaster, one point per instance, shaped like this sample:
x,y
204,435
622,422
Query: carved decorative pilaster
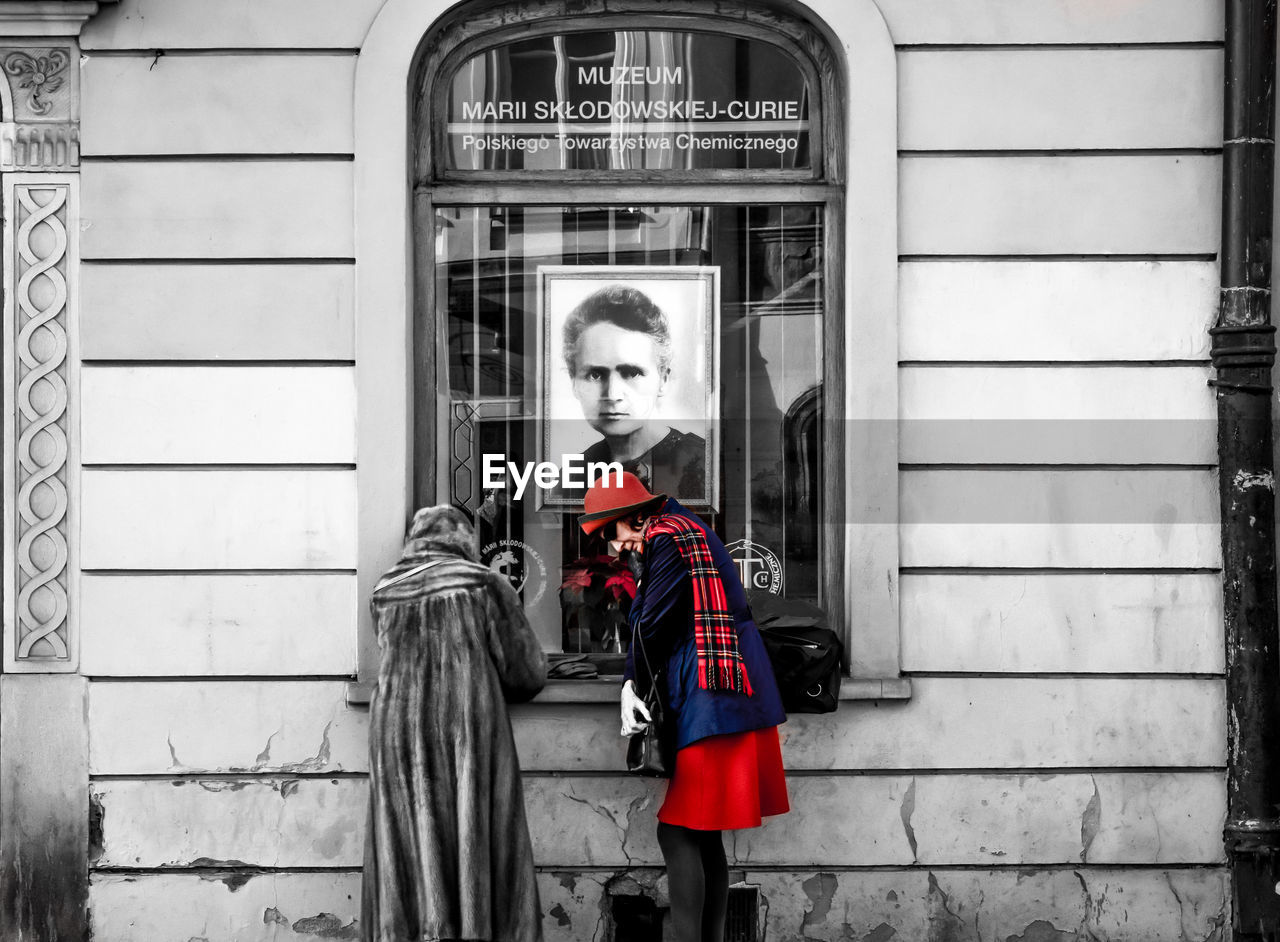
x,y
40,77
44,846
39,107
39,160
40,213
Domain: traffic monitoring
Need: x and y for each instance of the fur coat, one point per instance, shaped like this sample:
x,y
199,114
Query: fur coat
x,y
447,852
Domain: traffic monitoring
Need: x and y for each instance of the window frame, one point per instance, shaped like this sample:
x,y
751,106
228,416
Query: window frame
x,y
823,76
859,236
437,185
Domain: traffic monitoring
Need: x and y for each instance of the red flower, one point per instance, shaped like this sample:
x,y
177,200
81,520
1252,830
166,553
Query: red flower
x,y
622,583
580,576
577,578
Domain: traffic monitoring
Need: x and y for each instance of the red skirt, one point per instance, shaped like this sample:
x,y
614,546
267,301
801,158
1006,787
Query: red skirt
x,y
723,783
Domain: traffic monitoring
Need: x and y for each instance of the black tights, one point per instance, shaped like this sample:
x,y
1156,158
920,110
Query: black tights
x,y
698,881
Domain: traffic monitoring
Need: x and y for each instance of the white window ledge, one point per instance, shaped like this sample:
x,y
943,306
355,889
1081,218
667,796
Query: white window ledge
x,y
605,690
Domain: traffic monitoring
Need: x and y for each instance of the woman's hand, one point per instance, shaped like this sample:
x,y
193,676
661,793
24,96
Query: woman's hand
x,y
635,563
633,709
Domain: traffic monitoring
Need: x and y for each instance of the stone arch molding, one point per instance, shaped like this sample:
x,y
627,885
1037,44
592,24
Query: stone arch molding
x,y
384,245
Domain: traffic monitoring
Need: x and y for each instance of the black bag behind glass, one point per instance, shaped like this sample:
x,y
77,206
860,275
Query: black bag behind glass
x,y
805,653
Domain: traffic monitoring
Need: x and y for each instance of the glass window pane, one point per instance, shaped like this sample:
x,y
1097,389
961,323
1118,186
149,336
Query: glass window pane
x,y
629,100
763,371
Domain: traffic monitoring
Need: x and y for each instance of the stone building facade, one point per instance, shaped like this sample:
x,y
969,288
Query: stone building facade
x,y
249,285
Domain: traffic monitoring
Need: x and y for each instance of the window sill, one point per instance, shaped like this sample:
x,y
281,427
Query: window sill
x,y
605,690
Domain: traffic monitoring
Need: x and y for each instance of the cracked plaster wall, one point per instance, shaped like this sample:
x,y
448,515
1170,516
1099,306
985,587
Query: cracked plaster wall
x,y
1062,905
943,906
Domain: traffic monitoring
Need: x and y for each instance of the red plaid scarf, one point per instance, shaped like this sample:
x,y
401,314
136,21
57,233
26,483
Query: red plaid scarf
x,y
720,664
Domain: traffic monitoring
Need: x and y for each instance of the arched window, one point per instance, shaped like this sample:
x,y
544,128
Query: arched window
x,y
624,227
630,244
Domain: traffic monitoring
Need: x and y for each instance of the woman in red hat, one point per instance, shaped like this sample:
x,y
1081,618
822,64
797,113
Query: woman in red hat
x,y
691,614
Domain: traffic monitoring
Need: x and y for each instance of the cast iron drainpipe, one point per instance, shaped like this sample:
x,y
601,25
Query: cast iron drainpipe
x,y
1243,353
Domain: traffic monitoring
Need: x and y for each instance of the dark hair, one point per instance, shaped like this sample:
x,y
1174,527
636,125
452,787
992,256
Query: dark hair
x,y
623,307
635,519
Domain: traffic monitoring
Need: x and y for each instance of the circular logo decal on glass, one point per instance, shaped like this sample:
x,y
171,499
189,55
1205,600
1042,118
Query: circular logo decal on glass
x,y
758,566
519,563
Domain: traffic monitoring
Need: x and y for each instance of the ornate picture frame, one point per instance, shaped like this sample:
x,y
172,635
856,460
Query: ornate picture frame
x,y
648,393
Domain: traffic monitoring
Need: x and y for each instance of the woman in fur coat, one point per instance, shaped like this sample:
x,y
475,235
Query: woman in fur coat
x,y
447,852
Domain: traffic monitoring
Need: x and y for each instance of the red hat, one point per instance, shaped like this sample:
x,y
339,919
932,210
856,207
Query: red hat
x,y
604,503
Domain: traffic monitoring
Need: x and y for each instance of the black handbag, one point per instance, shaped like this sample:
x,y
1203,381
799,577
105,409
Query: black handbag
x,y
651,751
648,752
806,658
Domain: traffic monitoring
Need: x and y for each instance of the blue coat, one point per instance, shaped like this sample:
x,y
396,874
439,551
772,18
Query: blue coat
x,y
662,613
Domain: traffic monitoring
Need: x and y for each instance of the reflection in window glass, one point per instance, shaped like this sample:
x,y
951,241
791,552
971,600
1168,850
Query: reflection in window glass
x,y
768,372
629,100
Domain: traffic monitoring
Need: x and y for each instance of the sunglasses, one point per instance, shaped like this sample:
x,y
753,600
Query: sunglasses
x,y
610,530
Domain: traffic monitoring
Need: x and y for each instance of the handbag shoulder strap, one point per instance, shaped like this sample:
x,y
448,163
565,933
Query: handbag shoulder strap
x,y
387,583
639,640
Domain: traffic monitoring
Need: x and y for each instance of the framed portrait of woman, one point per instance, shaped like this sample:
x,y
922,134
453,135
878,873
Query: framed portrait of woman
x,y
629,359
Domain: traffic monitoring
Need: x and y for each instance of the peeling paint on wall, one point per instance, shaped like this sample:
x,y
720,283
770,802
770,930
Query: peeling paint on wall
x,y
322,926
264,756
327,926
1044,931
1244,480
96,815
233,880
214,862
821,889
1090,821
908,809
568,881
881,933
944,925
